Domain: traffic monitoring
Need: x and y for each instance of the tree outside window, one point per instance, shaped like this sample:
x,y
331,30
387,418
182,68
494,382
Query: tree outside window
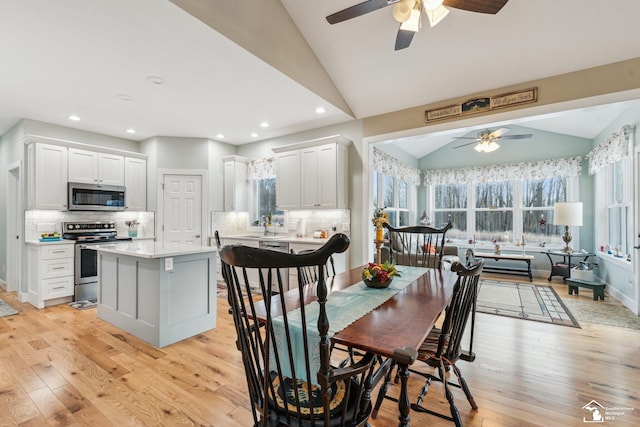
x,y
264,201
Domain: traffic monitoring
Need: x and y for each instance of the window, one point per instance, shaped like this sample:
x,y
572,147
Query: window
x,y
619,210
263,201
398,198
501,211
450,205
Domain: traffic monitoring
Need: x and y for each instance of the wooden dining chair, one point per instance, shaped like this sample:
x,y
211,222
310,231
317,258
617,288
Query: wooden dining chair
x,y
281,340
442,347
417,245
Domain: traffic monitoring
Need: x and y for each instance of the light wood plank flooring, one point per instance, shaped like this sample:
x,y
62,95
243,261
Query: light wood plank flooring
x,y
63,367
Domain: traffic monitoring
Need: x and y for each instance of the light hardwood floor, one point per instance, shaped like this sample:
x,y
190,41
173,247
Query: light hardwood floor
x,y
63,367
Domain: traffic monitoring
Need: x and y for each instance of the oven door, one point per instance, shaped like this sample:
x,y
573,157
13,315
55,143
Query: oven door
x,y
86,264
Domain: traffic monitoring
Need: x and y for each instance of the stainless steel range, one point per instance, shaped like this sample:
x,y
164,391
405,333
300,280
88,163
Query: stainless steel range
x,y
86,234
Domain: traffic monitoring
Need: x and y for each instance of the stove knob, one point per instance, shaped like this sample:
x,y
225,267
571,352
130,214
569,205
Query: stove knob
x,y
69,226
77,226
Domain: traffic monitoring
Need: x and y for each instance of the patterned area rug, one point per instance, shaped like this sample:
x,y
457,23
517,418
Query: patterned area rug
x,y
525,301
6,309
608,312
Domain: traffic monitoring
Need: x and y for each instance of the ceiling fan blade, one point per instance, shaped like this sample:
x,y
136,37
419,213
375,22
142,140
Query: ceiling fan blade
x,y
358,10
498,132
464,145
480,6
403,39
523,136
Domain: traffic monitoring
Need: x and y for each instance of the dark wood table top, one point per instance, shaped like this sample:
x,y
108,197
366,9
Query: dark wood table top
x,y
402,321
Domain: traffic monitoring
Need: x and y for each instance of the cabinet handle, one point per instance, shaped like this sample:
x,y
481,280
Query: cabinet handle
x,y
58,268
58,252
58,287
197,236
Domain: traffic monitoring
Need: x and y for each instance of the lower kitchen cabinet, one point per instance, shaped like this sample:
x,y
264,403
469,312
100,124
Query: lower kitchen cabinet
x,y
49,273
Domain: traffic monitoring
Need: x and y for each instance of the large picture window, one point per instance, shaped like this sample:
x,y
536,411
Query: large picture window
x,y
263,201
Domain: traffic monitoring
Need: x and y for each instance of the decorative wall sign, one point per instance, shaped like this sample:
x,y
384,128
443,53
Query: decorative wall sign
x,y
478,105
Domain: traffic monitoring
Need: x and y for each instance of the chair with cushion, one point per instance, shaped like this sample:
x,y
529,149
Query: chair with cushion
x,y
417,245
285,345
442,347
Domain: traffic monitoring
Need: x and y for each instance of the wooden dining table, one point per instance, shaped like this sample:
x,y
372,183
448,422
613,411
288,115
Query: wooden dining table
x,y
396,328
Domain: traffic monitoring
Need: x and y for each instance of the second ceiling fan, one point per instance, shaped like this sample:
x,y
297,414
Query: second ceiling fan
x,y
486,139
409,13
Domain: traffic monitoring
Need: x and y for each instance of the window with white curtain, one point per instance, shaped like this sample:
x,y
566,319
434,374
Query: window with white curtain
x,y
398,199
619,208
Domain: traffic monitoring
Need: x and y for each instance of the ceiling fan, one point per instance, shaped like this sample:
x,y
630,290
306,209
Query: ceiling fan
x,y
486,140
409,13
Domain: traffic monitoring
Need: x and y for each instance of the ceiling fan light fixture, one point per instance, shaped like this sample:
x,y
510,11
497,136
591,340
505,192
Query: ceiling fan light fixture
x,y
402,10
431,5
436,15
486,146
413,23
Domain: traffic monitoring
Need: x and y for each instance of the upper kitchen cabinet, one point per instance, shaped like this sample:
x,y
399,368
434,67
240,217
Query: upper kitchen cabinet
x,y
313,174
47,176
94,167
135,180
235,183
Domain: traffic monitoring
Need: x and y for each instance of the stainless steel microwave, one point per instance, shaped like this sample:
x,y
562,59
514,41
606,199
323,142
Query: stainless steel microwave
x,y
95,197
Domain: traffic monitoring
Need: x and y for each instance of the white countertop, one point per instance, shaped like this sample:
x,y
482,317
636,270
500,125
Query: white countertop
x,y
49,242
149,249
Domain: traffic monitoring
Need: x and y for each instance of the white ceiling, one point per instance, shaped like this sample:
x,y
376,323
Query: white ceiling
x,y
78,56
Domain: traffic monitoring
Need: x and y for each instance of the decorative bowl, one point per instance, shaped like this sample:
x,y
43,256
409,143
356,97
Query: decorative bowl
x,y
377,284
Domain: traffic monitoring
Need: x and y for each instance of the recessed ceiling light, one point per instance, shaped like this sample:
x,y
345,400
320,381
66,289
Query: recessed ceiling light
x,y
220,136
124,97
74,117
264,125
254,135
320,110
155,80
131,131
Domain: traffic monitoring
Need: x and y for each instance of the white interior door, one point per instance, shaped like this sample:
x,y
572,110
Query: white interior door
x,y
182,203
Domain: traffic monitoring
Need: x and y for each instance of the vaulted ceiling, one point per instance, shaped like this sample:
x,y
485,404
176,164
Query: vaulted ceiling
x,y
237,64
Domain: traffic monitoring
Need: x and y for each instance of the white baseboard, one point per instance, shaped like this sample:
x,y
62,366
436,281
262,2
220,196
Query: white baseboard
x,y
624,299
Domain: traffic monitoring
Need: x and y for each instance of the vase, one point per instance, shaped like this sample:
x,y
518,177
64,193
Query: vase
x,y
379,233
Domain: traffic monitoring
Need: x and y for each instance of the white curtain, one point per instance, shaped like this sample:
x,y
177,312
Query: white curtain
x,y
391,166
616,147
261,169
508,172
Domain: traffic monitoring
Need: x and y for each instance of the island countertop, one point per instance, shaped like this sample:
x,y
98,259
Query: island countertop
x,y
149,249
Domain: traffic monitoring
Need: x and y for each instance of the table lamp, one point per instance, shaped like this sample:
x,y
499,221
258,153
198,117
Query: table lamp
x,y
567,214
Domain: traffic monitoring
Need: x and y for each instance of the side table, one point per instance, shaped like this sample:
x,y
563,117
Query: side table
x,y
563,268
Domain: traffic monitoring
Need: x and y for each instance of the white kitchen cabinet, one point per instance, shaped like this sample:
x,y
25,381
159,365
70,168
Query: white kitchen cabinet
x,y
135,181
50,273
288,180
313,174
235,184
47,176
95,167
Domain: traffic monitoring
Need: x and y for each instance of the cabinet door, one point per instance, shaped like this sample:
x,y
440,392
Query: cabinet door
x,y
288,180
327,177
309,178
135,180
110,169
83,166
235,194
49,177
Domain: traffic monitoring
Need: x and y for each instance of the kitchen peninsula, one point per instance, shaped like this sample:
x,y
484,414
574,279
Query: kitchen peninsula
x,y
159,292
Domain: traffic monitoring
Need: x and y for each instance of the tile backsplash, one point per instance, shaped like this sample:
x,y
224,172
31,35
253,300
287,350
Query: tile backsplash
x,y
319,219
40,221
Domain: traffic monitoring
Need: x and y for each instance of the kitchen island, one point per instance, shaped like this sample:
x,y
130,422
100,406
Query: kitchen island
x,y
161,293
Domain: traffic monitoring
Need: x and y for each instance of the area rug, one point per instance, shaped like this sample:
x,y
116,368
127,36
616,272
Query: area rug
x,y
84,304
6,309
608,312
526,301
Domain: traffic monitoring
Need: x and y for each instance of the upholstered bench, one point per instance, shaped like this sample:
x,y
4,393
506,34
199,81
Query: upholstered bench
x,y
597,286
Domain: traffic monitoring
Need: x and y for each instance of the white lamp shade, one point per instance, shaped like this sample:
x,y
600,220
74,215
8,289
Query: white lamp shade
x,y
569,213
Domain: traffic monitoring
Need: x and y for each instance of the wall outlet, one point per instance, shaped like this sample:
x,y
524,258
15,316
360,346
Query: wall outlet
x,y
4,268
168,264
346,227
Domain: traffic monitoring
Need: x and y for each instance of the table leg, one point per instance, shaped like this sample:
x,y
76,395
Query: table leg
x,y
529,270
403,401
